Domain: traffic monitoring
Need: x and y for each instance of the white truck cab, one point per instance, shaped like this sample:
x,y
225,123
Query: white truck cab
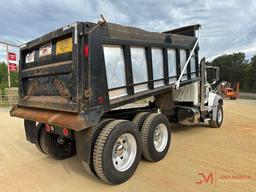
x,y
197,102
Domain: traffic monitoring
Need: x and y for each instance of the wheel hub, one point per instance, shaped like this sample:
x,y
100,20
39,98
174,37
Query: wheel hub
x,y
124,152
120,150
157,135
160,137
60,140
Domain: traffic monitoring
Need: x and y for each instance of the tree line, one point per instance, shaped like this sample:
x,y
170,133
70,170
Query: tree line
x,y
237,68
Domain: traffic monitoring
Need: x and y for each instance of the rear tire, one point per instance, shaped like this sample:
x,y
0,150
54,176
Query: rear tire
x,y
216,123
156,137
117,152
38,143
96,131
139,119
56,146
32,125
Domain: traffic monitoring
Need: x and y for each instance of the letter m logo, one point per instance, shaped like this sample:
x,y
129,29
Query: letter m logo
x,y
205,178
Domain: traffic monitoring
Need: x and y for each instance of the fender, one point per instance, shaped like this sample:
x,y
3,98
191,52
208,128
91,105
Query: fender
x,y
213,101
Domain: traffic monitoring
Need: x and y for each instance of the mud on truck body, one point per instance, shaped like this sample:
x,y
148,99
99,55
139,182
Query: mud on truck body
x,y
75,80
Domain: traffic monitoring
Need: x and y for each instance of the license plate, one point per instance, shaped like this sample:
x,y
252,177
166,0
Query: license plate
x,y
64,46
30,57
45,50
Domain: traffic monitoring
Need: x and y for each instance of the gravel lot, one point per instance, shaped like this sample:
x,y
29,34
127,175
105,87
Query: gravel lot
x,y
200,159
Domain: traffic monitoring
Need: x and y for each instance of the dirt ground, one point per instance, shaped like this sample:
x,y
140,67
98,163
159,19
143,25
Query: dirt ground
x,y
200,159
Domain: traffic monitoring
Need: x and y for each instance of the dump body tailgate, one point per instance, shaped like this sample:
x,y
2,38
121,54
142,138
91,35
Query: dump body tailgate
x,y
49,70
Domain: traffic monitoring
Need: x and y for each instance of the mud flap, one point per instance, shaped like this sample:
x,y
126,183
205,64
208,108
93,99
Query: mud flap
x,y
32,131
84,146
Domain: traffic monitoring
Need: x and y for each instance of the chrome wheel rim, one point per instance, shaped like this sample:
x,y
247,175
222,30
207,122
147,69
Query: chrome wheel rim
x,y
160,137
219,116
124,152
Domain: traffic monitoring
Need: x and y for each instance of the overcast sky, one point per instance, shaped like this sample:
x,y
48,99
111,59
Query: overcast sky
x,y
227,26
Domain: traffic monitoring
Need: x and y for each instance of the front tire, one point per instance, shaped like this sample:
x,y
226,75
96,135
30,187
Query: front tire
x,y
117,152
156,137
217,122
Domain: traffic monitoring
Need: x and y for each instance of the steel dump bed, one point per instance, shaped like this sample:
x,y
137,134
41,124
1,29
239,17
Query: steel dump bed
x,y
85,69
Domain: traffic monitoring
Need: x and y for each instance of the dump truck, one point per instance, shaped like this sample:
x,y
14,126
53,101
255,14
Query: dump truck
x,y
79,86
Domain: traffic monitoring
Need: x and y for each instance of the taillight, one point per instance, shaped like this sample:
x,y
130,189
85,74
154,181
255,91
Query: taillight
x,y
101,100
47,128
86,51
65,132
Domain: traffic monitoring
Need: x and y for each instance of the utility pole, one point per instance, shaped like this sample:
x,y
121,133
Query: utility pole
x,y
7,60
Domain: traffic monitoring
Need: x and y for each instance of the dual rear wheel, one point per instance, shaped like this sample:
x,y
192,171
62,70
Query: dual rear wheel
x,y
156,136
119,145
117,152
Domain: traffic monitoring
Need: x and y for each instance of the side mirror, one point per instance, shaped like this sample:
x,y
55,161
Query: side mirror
x,y
214,74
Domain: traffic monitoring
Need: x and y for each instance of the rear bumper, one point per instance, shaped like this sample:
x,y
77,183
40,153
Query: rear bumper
x,y
69,120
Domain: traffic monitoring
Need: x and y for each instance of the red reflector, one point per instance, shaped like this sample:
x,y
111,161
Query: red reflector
x,y
86,51
47,128
65,132
101,100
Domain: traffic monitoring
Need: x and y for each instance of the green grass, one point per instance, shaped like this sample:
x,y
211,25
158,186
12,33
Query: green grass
x,y
4,105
